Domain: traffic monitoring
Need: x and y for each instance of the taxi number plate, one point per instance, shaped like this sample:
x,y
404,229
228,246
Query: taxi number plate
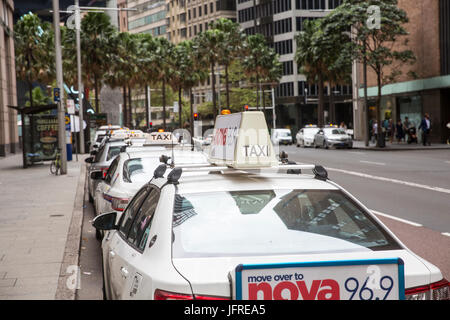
x,y
381,279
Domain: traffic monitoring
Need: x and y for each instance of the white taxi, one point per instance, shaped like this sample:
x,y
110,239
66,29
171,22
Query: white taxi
x,y
305,136
131,169
240,229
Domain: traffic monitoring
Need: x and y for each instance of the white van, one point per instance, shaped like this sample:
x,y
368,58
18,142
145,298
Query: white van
x,y
281,136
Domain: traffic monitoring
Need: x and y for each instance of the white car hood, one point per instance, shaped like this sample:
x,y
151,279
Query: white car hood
x,y
210,276
338,136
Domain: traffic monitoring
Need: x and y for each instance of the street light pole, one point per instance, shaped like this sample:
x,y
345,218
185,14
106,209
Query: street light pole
x,y
59,80
80,85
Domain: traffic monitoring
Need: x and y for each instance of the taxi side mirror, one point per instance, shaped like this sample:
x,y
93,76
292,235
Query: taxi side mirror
x,y
95,175
93,153
89,160
105,221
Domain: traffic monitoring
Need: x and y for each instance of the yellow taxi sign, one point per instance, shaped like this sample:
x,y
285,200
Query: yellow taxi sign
x,y
241,140
160,130
225,111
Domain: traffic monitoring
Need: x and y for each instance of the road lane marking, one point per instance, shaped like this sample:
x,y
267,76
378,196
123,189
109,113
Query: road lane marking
x,y
447,162
361,153
405,183
446,234
397,219
371,162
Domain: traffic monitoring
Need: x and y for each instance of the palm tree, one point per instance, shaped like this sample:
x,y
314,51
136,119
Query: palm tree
x,y
207,46
95,40
230,48
34,51
124,68
311,59
260,62
161,63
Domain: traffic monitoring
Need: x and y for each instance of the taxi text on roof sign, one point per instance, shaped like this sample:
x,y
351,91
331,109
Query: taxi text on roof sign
x,y
160,138
242,141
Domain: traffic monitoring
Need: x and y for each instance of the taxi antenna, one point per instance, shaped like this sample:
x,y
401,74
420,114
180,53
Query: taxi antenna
x,y
172,165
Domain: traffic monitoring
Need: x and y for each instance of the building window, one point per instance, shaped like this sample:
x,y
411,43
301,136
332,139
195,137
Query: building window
x,y
333,4
311,4
283,47
288,68
199,11
189,14
200,26
205,10
194,12
285,89
281,6
211,7
299,21
282,26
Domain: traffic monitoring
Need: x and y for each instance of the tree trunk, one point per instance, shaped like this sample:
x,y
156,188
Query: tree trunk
x,y
332,105
320,106
213,88
147,111
380,125
30,83
227,87
179,108
96,94
164,103
257,92
130,109
124,110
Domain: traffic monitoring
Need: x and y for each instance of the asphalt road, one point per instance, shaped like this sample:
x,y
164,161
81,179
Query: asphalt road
x,y
409,190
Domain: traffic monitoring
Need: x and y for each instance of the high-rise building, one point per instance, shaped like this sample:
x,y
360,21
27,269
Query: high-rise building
x,y
423,87
9,140
279,21
149,17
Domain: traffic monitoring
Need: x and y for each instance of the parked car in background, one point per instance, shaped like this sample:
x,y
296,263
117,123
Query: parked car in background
x,y
281,136
332,137
305,136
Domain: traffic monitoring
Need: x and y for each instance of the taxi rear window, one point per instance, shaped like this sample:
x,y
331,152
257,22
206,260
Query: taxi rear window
x,y
273,222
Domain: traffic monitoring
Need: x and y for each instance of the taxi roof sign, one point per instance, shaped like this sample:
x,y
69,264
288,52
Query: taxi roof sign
x,y
242,141
160,138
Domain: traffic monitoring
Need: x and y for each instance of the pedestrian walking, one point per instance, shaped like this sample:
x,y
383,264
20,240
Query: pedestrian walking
x,y
425,126
375,131
399,131
343,126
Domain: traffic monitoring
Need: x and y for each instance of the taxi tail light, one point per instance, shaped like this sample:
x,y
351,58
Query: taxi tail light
x,y
104,171
119,204
436,291
166,295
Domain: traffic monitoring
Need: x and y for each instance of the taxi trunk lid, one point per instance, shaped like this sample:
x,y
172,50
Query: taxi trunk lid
x,y
213,276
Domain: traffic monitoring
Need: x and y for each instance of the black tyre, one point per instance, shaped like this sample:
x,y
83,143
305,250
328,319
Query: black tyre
x,y
53,168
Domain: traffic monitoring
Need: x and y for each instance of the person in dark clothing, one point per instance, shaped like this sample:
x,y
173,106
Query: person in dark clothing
x,y
399,131
425,126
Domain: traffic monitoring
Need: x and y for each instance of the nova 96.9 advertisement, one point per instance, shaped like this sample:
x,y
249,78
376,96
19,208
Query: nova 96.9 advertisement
x,y
381,279
44,136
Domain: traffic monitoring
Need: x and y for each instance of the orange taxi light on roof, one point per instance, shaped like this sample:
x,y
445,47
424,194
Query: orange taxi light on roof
x,y
160,130
225,111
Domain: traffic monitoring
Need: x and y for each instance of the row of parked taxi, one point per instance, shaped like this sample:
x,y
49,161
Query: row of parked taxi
x,y
313,136
239,222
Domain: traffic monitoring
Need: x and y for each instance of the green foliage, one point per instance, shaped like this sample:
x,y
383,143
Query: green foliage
x,y
39,97
34,49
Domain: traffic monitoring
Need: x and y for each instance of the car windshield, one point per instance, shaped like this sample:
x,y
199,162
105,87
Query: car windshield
x,y
335,131
310,131
284,134
273,222
113,151
139,169
100,138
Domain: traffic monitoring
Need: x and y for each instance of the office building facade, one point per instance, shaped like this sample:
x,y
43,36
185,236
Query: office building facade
x,y
423,87
296,99
9,140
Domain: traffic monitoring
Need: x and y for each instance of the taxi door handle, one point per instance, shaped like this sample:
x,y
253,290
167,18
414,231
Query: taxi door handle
x,y
124,272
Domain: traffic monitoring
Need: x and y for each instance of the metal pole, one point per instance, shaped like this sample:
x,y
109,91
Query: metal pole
x,y
274,116
80,85
59,80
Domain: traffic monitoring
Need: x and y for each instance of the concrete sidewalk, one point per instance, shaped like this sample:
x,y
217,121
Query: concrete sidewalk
x,y
399,146
39,215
